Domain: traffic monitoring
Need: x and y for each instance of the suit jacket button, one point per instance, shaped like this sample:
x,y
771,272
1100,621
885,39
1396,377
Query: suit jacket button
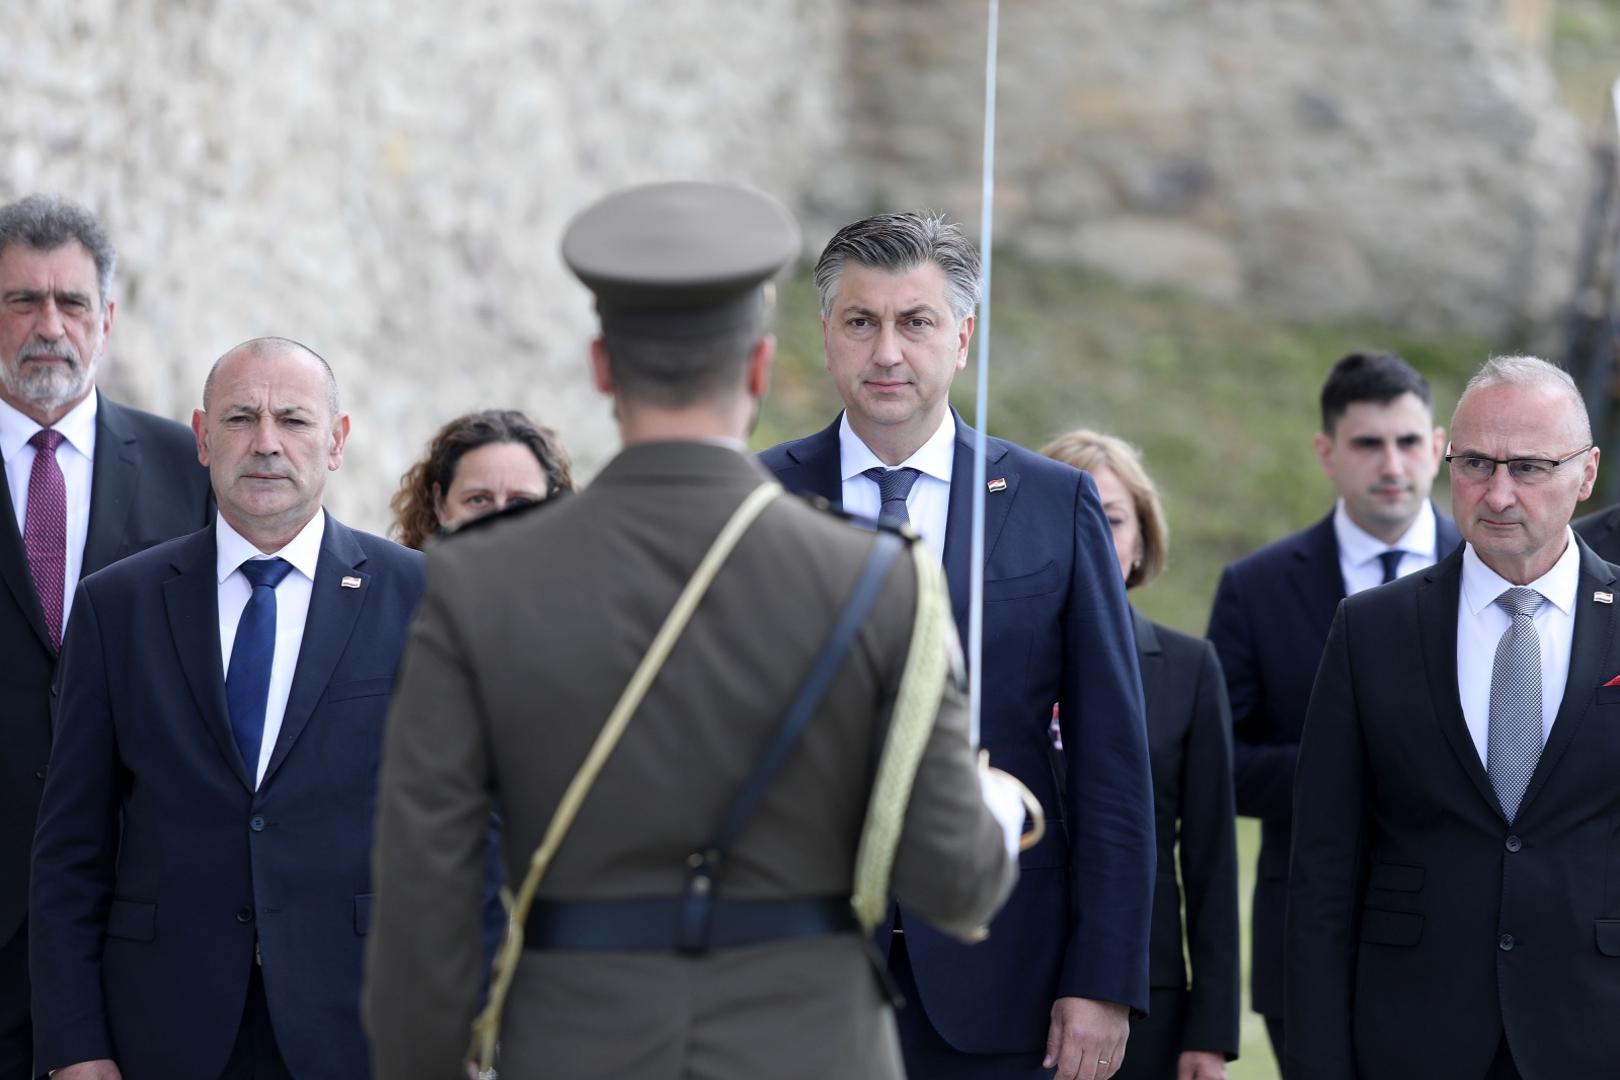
x,y
257,824
39,774
245,915
1514,843
1506,944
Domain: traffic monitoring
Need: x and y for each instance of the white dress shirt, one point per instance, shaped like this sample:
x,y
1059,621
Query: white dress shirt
x,y
74,455
930,500
292,611
1359,549
1481,624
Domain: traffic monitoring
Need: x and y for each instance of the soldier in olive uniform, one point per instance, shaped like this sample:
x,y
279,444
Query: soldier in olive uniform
x,y
530,630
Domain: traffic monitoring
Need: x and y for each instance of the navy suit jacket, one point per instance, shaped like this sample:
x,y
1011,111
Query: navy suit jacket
x,y
157,866
146,486
1421,924
1056,629
1271,616
1601,531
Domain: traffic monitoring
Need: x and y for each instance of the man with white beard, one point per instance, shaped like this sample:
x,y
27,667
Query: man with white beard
x,y
85,482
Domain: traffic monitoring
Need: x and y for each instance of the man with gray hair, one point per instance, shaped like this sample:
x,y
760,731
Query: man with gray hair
x,y
86,481
1454,902
1067,957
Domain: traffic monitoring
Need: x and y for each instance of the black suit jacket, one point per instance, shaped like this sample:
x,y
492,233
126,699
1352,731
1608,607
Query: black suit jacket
x,y
1269,623
158,867
1056,629
145,487
1190,743
1601,531
1421,923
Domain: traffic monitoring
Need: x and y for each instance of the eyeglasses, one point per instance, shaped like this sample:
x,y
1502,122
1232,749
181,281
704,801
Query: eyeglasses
x,y
1523,470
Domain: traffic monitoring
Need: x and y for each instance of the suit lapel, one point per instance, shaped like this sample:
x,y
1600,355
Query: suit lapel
x,y
1150,656
1315,576
816,458
333,611
1437,601
14,567
959,515
112,485
1446,537
192,600
1592,639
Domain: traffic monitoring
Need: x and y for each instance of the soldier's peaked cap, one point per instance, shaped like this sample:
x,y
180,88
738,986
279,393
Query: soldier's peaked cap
x,y
684,259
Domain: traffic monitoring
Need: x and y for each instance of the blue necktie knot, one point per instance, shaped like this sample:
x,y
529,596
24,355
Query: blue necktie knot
x,y
269,572
893,485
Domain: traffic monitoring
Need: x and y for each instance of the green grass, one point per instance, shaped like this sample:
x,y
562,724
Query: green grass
x,y
1585,53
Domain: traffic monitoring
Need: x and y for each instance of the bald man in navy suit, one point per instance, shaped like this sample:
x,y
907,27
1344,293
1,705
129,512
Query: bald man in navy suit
x,y
201,888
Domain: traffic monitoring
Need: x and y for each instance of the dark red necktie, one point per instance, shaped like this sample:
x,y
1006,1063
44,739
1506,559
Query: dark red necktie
x,y
45,531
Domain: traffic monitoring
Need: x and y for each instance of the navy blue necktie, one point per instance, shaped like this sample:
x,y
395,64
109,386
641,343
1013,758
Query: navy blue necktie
x,y
1392,564
893,487
247,683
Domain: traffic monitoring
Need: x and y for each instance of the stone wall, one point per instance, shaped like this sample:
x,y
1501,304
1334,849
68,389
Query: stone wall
x,y
389,181
1406,160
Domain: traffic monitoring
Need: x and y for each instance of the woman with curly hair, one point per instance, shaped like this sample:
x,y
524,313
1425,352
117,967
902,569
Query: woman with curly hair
x,y
478,464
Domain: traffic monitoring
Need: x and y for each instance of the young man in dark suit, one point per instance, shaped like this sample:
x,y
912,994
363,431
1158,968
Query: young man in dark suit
x,y
86,481
1454,904
1067,958
1601,531
201,880
1381,449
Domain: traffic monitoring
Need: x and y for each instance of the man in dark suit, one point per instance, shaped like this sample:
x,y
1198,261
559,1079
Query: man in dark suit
x,y
1067,957
200,893
1381,449
1454,906
1601,531
86,481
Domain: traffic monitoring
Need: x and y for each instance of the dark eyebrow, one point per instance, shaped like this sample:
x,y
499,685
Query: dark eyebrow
x,y
37,294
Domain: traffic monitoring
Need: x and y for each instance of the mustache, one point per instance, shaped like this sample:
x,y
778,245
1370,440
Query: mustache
x,y
266,466
59,350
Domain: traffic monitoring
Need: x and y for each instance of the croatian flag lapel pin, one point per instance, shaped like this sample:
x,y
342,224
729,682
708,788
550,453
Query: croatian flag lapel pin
x,y
1603,597
998,484
350,582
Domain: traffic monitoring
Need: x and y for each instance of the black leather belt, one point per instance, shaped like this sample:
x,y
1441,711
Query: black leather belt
x,y
655,925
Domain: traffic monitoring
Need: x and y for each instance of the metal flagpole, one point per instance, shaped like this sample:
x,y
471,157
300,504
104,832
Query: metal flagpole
x,y
982,401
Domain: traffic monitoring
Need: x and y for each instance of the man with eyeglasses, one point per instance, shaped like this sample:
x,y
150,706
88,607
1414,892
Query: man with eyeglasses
x,y
1381,449
1454,903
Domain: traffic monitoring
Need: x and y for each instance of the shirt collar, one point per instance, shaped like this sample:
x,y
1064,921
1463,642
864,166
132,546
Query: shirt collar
x,y
935,458
1481,585
1360,546
78,427
233,549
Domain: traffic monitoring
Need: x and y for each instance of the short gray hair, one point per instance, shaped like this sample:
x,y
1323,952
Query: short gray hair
x,y
1530,371
899,243
269,344
46,222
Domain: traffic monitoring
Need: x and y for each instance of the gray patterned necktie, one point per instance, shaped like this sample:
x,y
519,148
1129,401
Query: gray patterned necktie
x,y
1513,745
893,487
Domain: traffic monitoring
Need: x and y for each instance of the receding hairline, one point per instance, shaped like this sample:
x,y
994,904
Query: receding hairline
x,y
268,346
1530,373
